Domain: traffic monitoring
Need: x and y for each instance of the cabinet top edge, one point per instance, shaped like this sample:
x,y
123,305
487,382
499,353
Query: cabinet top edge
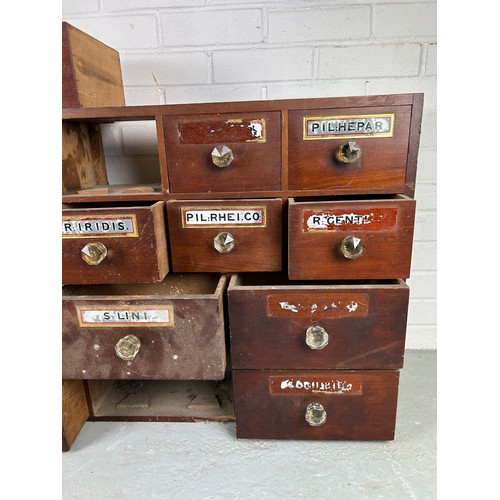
x,y
150,112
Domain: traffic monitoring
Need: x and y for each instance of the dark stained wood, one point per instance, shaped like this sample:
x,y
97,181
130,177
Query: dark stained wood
x,y
268,323
74,411
130,113
191,347
168,400
190,141
69,90
257,248
91,71
83,161
162,153
381,167
316,254
261,414
415,128
141,259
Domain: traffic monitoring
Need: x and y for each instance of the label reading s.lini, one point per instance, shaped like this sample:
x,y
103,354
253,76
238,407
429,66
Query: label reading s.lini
x,y
105,226
342,385
347,127
141,316
224,217
344,220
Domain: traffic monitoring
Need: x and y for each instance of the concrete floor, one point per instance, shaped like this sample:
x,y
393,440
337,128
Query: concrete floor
x,y
205,461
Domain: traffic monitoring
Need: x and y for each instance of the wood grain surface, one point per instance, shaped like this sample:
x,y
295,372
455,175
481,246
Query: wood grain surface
x,y
366,324
191,347
370,415
315,254
257,248
141,259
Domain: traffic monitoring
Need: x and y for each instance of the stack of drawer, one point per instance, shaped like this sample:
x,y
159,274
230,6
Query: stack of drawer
x,y
302,209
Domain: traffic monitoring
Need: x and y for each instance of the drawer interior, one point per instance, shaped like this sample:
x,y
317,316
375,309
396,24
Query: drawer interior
x,y
281,279
106,159
166,400
173,284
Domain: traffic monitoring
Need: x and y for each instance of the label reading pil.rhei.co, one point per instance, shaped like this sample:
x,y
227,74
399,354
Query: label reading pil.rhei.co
x,y
223,217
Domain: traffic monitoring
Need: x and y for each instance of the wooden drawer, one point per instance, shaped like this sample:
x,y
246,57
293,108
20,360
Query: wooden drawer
x,y
358,405
178,323
281,324
315,136
351,239
131,239
197,228
255,142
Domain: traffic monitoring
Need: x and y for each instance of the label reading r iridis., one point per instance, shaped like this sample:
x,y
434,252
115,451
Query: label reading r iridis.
x,y
103,226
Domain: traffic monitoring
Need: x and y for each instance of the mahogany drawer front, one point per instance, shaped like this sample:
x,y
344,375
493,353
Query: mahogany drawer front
x,y
225,235
315,135
179,324
355,239
355,405
130,240
253,138
327,326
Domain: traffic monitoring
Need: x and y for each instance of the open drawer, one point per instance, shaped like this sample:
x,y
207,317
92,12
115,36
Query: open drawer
x,y
170,330
280,324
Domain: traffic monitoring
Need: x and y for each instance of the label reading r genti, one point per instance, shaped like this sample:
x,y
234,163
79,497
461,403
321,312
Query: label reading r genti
x,y
141,316
348,127
105,226
224,217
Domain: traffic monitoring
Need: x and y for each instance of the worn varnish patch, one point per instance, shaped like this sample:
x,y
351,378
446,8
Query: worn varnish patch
x,y
233,130
328,305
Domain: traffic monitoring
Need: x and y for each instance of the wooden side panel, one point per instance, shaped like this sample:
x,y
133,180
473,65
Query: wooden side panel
x,y
74,411
97,71
256,164
256,247
139,258
83,162
415,129
385,228
366,326
380,169
265,410
69,90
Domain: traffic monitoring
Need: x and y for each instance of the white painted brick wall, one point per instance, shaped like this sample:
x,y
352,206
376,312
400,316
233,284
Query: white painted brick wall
x,y
180,51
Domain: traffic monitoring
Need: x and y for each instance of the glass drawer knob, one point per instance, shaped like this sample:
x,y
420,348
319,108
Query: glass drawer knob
x,y
352,247
222,156
224,242
94,253
315,414
316,337
349,152
128,347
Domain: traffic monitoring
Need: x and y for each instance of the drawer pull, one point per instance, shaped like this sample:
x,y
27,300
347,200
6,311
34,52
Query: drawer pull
x,y
316,337
94,253
222,156
128,347
224,242
315,414
349,152
352,247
